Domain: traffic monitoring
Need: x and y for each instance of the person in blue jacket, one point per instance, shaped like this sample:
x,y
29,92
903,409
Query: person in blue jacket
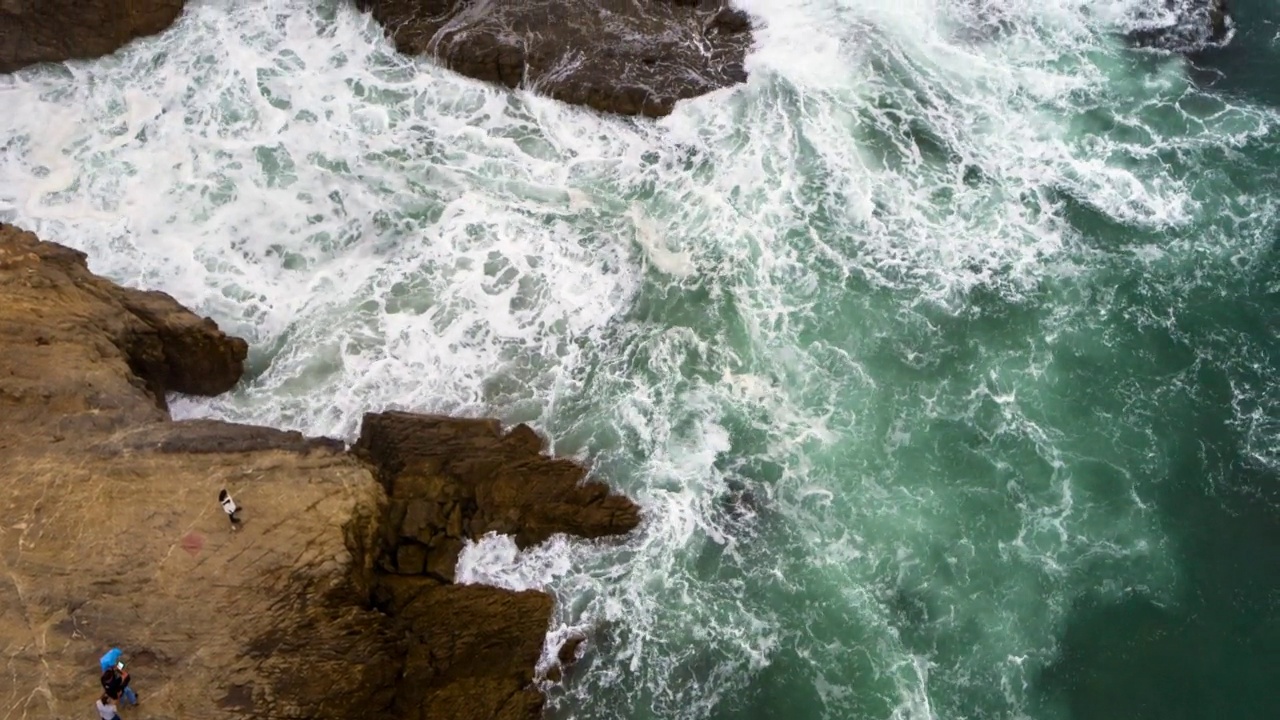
x,y
115,679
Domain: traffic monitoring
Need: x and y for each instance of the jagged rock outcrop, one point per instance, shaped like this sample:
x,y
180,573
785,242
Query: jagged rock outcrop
x,y
110,533
78,348
633,57
34,31
450,480
1183,26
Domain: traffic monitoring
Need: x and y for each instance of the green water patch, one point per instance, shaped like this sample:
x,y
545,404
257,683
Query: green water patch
x,y
1210,651
1188,344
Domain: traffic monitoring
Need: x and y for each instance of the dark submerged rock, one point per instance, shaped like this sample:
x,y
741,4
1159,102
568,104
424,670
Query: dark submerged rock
x,y
1183,26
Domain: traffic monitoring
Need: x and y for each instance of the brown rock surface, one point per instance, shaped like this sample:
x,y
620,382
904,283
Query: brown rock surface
x,y
633,57
110,533
451,479
34,31
79,348
479,664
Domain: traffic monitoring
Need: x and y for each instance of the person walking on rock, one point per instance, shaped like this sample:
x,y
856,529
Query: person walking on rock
x,y
106,708
229,507
115,685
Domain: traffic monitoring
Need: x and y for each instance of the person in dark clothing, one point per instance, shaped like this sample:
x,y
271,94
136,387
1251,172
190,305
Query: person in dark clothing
x,y
115,683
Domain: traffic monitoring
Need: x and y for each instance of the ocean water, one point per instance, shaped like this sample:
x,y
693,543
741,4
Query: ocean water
x,y
942,354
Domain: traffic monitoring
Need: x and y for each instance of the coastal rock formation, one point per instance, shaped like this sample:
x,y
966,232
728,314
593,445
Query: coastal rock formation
x,y
34,31
110,533
1183,26
450,480
82,353
633,57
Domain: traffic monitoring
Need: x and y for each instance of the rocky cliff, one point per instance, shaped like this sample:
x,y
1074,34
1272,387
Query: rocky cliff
x,y
333,599
33,31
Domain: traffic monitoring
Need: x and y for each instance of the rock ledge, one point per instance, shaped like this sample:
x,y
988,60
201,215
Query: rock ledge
x,y
334,598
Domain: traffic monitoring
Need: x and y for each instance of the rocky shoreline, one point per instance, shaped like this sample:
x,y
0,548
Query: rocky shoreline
x,y
631,57
336,596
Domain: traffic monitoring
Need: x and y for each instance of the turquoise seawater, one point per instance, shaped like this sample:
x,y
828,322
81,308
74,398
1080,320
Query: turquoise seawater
x,y
942,355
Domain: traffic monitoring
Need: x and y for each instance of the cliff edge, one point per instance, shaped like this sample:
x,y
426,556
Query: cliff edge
x,y
334,598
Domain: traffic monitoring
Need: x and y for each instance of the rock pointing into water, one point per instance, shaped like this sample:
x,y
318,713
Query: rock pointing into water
x,y
1183,26
633,57
87,348
332,599
33,31
450,480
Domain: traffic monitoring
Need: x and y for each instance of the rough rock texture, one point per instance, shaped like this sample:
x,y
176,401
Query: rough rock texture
x,y
1183,26
633,57
110,533
476,664
78,348
450,480
33,31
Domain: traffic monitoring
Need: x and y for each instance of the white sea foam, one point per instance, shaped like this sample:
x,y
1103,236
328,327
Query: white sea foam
x,y
750,316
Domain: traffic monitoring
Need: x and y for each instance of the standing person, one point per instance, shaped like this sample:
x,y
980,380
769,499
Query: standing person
x,y
115,684
106,708
229,507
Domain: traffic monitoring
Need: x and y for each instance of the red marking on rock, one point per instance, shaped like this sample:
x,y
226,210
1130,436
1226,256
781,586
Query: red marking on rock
x,y
193,543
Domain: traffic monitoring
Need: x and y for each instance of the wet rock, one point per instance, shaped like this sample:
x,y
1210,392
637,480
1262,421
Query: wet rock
x,y
1183,26
459,479
568,653
566,658
34,31
632,57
